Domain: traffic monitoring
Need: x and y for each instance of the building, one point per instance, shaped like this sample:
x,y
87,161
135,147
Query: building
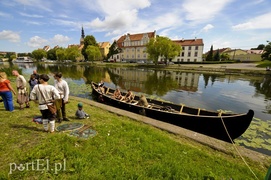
x,y
46,48
82,36
133,47
192,50
104,48
250,56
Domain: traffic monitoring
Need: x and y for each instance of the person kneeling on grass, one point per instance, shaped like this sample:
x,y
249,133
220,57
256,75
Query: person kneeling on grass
x,y
80,113
44,94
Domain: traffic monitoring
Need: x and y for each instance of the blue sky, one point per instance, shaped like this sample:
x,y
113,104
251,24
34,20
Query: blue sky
x,y
26,25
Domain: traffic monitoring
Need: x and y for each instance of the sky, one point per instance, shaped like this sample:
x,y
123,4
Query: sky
x,y
26,25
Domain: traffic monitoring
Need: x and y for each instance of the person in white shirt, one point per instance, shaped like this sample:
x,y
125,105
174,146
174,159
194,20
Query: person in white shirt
x,y
22,96
43,94
63,88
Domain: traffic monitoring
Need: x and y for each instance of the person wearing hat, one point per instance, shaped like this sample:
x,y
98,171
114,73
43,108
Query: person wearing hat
x,y
80,113
45,94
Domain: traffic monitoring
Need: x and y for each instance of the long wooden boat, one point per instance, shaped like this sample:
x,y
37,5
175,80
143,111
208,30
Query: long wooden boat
x,y
211,123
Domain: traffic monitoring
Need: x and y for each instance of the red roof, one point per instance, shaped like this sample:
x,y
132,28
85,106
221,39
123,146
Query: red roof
x,y
189,42
134,37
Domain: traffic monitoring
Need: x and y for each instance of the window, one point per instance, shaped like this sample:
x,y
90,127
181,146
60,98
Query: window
x,y
189,54
189,48
196,48
182,54
183,48
196,54
195,60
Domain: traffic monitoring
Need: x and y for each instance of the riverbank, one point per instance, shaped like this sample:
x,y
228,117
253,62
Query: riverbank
x,y
123,148
229,68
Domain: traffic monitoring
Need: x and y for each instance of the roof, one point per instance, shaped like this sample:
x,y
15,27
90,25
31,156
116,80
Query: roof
x,y
189,42
255,51
104,44
134,37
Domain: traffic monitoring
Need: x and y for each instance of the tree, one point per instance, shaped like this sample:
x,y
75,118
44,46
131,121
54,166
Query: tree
x,y
168,48
209,57
260,47
51,54
225,57
217,56
267,52
113,50
60,54
72,53
93,53
88,41
39,54
162,47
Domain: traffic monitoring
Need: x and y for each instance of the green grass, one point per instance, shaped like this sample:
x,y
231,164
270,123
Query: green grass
x,y
265,63
122,149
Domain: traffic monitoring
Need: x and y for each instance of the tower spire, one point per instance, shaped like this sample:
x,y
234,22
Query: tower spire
x,y
82,36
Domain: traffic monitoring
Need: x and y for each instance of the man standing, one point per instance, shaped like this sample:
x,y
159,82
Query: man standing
x,y
45,94
63,88
22,96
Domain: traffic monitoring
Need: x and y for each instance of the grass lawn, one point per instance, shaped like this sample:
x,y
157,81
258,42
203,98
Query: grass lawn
x,y
122,149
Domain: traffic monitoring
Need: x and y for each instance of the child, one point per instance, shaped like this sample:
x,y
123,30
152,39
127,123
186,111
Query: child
x,y
80,113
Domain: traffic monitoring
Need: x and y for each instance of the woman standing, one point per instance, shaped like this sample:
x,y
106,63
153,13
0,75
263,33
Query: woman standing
x,y
5,92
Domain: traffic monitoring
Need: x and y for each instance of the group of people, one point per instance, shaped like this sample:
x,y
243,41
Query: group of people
x,y
6,91
129,97
40,92
45,94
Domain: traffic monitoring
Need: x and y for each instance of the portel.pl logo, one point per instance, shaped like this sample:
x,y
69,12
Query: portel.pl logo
x,y
38,165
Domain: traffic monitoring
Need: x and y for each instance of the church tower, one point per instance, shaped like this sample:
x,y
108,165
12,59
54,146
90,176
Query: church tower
x,y
82,36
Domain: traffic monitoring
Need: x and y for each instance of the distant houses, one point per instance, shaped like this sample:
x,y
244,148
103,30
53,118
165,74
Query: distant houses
x,y
240,54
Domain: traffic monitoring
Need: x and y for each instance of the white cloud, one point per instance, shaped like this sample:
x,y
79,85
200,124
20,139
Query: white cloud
x,y
10,36
260,22
111,8
207,28
37,42
37,4
5,15
60,39
30,15
201,10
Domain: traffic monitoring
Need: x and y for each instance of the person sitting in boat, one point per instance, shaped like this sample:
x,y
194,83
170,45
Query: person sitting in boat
x,y
101,87
117,94
129,96
142,101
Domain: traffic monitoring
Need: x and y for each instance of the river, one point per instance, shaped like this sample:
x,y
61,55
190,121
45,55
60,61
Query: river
x,y
212,91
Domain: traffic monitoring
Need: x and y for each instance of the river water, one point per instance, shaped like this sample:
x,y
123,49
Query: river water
x,y
212,91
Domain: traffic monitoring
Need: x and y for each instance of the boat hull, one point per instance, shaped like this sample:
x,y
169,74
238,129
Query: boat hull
x,y
226,127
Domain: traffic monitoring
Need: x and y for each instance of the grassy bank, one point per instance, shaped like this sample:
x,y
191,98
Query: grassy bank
x,y
122,149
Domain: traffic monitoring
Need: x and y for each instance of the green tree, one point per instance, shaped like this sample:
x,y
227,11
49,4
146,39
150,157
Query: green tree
x,y
260,47
88,41
162,47
209,56
225,56
39,54
10,56
51,54
93,53
153,50
217,56
72,53
267,52
113,50
61,54
168,48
